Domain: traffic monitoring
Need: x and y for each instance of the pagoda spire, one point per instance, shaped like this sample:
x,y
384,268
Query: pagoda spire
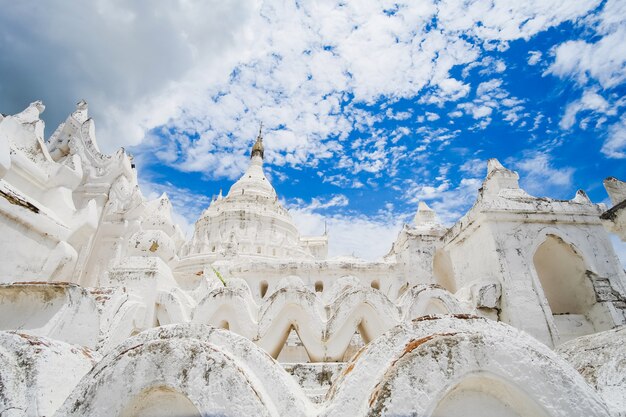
x,y
257,148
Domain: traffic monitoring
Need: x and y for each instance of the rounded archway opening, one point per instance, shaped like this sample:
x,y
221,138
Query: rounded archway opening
x,y
160,402
319,286
443,271
263,288
568,290
435,306
481,395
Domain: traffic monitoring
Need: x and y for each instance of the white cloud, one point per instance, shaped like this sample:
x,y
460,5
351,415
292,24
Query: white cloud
x,y
481,111
338,200
539,176
488,86
367,237
474,167
215,69
590,100
135,63
507,21
534,57
431,117
490,97
448,89
449,202
604,60
615,144
476,111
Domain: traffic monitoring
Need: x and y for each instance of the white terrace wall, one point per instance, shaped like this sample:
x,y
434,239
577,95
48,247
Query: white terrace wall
x,y
499,238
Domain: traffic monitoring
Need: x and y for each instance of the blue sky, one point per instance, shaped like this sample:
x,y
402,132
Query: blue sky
x,y
368,106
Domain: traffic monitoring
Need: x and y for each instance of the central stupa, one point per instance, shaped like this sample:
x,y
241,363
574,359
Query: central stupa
x,y
250,222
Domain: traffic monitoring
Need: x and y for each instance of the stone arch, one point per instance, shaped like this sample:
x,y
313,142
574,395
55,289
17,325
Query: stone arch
x,y
227,304
460,352
482,394
160,401
424,300
562,273
443,271
435,306
216,371
563,234
30,367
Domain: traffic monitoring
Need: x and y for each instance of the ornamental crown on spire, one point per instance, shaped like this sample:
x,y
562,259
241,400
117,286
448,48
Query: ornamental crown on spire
x,y
258,149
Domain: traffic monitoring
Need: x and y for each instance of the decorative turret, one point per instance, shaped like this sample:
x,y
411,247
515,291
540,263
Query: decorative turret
x,y
258,149
425,215
498,178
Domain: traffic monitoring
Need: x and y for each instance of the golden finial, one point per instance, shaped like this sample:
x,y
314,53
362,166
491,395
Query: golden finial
x,y
258,149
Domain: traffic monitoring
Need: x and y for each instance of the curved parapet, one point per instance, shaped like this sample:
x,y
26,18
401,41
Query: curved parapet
x,y
362,309
601,360
451,365
292,307
325,330
102,318
60,311
229,308
339,286
95,318
38,373
423,300
202,370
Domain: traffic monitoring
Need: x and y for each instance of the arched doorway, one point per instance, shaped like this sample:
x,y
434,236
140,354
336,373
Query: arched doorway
x,y
160,402
566,286
443,271
481,395
435,306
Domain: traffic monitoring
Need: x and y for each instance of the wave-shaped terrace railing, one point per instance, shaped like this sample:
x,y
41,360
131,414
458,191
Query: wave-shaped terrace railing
x,y
324,328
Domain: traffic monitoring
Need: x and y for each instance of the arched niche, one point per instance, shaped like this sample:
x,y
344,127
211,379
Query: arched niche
x,y
435,306
375,284
292,350
562,273
443,270
484,395
319,286
160,402
263,288
403,289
